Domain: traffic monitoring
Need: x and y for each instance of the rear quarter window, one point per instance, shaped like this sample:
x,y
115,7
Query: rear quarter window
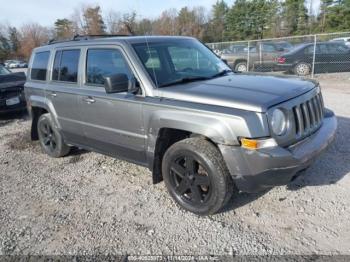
x,y
39,66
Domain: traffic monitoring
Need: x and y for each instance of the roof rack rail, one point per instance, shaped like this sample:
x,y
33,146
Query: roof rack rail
x,y
87,37
83,37
54,41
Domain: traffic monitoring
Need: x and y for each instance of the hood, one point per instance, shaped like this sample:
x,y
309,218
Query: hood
x,y
11,80
253,92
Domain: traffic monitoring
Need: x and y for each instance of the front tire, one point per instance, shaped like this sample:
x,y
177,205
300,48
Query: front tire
x,y
51,140
196,176
241,67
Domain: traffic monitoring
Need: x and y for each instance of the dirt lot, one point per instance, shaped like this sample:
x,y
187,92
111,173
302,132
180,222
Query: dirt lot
x,y
88,203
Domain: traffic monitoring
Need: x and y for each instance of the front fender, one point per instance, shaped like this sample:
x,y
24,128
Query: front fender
x,y
219,128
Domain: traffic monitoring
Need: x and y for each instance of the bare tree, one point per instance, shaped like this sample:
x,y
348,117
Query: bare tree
x,y
166,24
78,21
145,27
129,23
32,35
114,22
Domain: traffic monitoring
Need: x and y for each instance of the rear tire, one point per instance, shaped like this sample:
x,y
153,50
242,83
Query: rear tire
x,y
51,140
196,176
302,69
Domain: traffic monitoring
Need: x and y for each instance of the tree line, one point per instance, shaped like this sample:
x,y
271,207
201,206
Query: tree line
x,y
245,19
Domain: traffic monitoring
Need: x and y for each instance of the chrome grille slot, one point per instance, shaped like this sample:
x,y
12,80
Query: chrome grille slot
x,y
308,116
318,114
311,113
299,120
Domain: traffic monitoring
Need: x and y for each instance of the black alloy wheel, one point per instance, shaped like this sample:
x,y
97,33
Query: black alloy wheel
x,y
196,176
190,180
50,138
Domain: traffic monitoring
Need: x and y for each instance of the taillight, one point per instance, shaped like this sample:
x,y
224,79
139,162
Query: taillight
x,y
281,60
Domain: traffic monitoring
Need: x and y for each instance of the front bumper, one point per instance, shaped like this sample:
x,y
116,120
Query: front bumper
x,y
13,108
283,67
256,170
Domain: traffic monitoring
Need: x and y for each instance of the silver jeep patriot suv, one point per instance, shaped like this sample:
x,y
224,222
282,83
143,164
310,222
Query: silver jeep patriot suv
x,y
170,104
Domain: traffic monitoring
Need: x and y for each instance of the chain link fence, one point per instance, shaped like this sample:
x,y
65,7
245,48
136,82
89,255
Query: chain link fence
x,y
299,55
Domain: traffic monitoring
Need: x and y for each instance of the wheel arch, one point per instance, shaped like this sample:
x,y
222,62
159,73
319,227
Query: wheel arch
x,y
38,106
171,127
239,60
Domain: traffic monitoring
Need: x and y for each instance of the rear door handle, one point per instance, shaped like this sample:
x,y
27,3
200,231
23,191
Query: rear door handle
x,y
89,100
53,94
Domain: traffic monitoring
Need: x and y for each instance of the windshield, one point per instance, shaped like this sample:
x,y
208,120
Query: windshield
x,y
4,71
179,60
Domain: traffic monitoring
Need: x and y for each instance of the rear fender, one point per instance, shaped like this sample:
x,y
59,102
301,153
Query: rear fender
x,y
43,102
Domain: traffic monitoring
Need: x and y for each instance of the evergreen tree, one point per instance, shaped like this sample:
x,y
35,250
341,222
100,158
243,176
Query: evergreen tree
x,y
14,40
251,19
295,16
185,21
93,22
217,25
64,28
335,15
5,48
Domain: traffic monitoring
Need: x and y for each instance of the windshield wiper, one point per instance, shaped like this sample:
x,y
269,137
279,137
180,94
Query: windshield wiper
x,y
185,80
196,78
222,73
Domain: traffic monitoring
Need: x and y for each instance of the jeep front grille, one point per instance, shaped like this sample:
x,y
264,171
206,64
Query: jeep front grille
x,y
308,116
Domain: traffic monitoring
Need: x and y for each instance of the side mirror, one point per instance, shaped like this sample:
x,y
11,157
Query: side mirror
x,y
116,83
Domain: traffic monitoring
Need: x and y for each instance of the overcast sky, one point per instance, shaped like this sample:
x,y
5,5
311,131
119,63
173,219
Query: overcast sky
x,y
45,12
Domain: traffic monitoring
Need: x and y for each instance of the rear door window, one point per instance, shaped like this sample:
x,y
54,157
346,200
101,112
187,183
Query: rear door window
x,y
39,66
104,62
66,66
337,49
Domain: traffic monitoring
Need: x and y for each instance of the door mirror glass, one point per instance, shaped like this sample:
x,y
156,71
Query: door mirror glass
x,y
117,83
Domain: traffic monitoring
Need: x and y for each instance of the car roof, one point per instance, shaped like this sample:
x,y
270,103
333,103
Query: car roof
x,y
340,38
110,40
319,43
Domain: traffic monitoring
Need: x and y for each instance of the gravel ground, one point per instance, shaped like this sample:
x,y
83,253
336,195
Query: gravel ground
x,y
87,203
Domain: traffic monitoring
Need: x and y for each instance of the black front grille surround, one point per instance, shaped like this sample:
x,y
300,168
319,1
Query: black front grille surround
x,y
308,116
304,116
9,92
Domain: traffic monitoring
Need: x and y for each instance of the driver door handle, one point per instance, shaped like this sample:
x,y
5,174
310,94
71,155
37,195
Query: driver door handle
x,y
89,100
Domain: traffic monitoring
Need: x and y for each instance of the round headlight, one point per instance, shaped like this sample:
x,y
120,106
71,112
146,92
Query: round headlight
x,y
278,122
